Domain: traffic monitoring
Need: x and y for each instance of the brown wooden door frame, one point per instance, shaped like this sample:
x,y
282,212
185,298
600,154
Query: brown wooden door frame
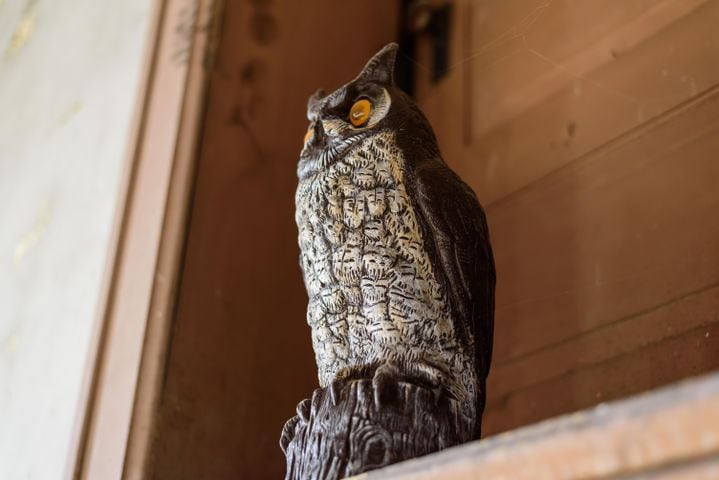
x,y
124,368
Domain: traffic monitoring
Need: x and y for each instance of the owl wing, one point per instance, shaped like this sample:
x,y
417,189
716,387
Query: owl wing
x,y
456,228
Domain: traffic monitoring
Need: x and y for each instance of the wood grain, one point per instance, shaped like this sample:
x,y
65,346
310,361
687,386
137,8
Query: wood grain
x,y
543,97
656,326
595,138
592,108
547,46
642,369
616,252
635,218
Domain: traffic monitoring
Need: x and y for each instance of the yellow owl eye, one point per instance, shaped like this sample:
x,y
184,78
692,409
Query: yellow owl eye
x,y
359,113
308,135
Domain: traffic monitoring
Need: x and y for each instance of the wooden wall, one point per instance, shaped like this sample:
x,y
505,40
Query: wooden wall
x,y
590,131
240,354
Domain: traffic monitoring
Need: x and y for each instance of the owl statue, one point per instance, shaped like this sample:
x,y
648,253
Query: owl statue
x,y
395,249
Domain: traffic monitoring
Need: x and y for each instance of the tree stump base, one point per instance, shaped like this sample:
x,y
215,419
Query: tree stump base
x,y
358,425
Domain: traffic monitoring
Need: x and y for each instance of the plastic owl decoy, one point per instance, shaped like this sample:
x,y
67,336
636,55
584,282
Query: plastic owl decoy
x,y
395,249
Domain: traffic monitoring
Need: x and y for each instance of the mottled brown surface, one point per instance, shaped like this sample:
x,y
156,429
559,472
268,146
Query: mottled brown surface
x,y
241,355
593,141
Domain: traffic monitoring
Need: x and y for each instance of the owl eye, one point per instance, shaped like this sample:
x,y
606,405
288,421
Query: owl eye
x,y
359,113
309,134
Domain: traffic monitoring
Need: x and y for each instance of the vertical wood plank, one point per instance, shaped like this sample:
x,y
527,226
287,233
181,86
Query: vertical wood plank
x,y
240,355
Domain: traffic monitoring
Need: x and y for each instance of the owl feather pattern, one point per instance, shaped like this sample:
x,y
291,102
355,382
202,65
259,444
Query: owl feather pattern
x,y
394,247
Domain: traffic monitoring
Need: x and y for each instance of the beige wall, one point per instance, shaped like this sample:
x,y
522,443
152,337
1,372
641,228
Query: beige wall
x,y
69,71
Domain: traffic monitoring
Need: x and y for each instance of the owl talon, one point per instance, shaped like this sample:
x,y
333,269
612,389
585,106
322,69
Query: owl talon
x,y
288,433
303,410
384,390
335,389
385,384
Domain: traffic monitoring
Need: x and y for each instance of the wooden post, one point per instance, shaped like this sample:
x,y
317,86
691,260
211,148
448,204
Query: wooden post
x,y
354,426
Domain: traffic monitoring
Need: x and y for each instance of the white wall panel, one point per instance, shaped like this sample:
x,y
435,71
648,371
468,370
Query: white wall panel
x,y
69,74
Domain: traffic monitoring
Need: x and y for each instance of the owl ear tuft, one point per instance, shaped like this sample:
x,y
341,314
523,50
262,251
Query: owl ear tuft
x,y
380,68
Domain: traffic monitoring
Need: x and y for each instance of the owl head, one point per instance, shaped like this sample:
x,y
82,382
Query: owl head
x,y
366,106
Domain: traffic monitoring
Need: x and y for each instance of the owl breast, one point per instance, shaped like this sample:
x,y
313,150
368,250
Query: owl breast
x,y
373,294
